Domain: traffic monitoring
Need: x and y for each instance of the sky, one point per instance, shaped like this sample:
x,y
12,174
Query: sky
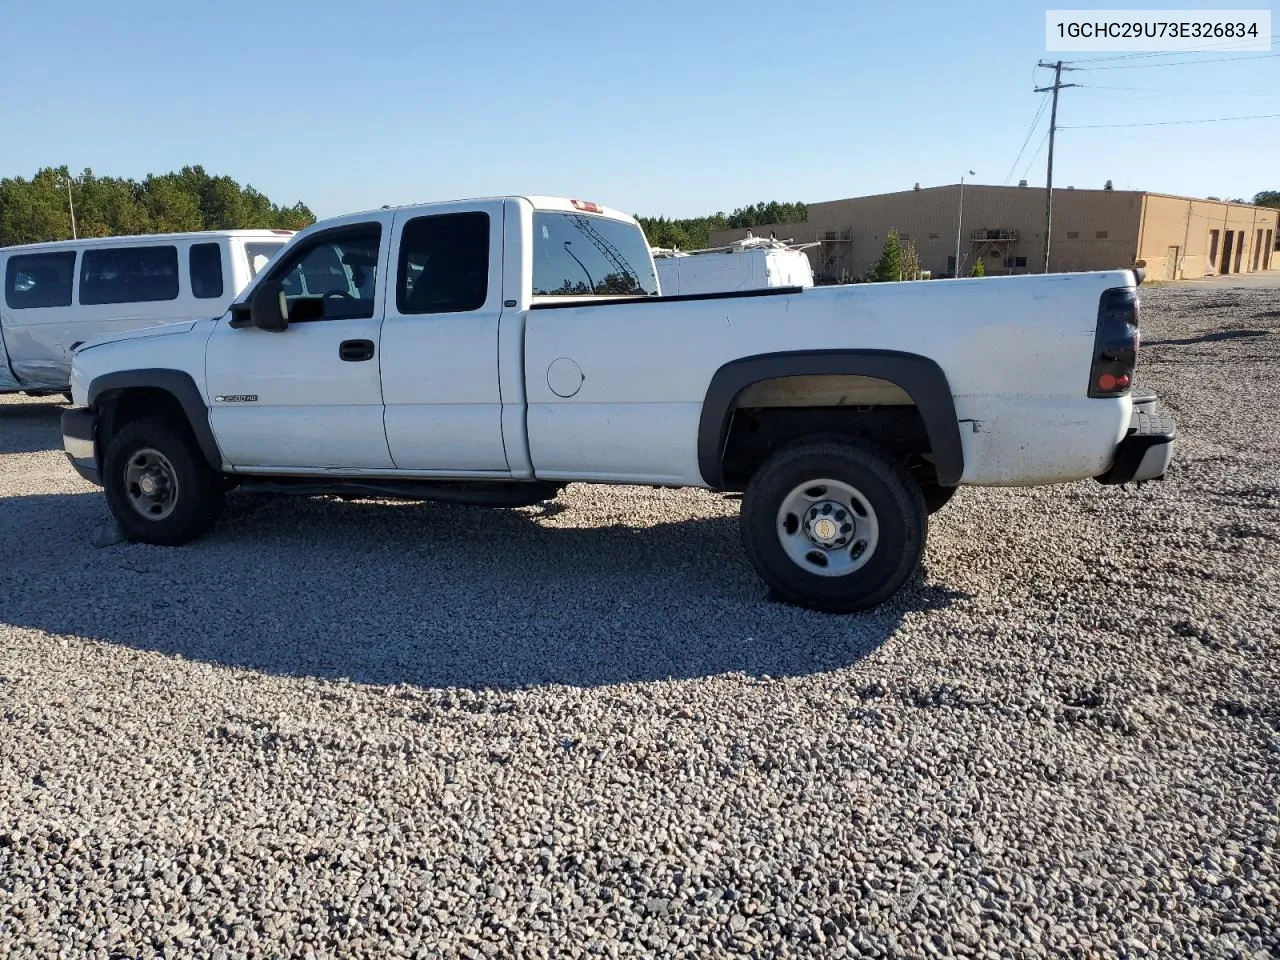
x,y
658,108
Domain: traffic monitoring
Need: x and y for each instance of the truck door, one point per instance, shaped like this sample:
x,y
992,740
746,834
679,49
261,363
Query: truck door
x,y
440,341
309,397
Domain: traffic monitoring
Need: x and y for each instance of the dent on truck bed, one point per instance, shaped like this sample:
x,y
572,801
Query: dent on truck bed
x,y
921,378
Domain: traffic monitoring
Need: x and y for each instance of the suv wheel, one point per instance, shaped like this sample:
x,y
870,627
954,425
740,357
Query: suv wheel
x,y
158,485
833,526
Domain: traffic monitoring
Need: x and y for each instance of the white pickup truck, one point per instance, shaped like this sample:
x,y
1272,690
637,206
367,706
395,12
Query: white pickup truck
x,y
492,351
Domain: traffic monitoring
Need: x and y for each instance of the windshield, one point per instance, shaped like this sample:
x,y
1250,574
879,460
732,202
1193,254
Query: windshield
x,y
578,255
260,254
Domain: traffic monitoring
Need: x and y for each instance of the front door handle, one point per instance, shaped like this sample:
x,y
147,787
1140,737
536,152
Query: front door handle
x,y
355,350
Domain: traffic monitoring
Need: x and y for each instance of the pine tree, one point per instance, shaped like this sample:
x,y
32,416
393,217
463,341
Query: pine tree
x,y
889,267
37,209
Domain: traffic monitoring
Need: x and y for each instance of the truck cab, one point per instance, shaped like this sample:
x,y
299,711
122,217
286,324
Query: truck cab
x,y
402,320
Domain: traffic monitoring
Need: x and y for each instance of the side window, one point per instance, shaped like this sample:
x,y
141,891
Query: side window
x,y
333,277
444,263
39,280
128,274
206,270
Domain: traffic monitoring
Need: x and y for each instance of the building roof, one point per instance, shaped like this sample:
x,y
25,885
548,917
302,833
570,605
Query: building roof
x,y
1057,189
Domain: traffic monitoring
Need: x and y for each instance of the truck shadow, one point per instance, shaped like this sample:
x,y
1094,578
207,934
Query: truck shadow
x,y
31,427
431,595
1214,337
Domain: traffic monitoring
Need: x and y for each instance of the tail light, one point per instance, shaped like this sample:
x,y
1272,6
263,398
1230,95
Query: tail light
x,y
1115,345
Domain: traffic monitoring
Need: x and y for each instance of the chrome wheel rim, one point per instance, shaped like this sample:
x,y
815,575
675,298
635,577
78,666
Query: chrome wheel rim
x,y
151,484
828,528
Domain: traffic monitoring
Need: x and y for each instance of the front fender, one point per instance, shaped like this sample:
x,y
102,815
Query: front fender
x,y
177,383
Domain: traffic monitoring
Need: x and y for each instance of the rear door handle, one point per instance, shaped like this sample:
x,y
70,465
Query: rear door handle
x,y
355,350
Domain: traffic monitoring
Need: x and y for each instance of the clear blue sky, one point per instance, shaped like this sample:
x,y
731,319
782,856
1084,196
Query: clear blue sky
x,y
669,108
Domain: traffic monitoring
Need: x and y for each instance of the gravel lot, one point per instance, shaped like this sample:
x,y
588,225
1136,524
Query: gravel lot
x,y
348,729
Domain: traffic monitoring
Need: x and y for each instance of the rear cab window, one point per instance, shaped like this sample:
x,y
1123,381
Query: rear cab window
x,y
589,255
35,280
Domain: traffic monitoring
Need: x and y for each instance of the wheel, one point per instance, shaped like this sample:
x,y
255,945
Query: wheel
x,y
158,485
936,497
833,525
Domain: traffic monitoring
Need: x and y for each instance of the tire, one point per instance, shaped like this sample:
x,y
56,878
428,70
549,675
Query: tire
x,y
891,528
166,451
936,497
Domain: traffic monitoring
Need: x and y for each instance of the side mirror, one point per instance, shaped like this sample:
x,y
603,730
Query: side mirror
x,y
268,308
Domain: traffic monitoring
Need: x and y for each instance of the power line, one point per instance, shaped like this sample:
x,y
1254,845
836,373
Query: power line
x,y
1180,63
1167,123
1207,48
1044,100
1043,141
1057,86
1154,93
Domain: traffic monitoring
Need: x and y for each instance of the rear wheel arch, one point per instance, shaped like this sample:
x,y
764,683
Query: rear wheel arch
x,y
919,379
126,395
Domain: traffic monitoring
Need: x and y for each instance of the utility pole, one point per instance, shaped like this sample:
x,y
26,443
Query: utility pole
x,y
1053,127
959,223
72,207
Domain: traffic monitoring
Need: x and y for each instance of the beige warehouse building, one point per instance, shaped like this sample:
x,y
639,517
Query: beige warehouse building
x,y
1176,237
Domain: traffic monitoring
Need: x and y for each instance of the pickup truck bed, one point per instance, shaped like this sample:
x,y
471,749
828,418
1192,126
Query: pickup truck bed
x,y
1009,389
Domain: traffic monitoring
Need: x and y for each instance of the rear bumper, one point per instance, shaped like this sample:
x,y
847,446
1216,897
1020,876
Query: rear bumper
x,y
1147,448
79,433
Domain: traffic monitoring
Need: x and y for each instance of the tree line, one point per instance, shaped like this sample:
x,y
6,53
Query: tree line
x,y
37,209
190,199
694,233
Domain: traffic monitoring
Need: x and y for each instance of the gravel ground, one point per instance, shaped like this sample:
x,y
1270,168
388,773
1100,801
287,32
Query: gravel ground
x,y
349,729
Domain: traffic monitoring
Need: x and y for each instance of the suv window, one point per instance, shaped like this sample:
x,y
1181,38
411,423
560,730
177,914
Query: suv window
x,y
444,263
129,275
206,270
337,272
39,280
